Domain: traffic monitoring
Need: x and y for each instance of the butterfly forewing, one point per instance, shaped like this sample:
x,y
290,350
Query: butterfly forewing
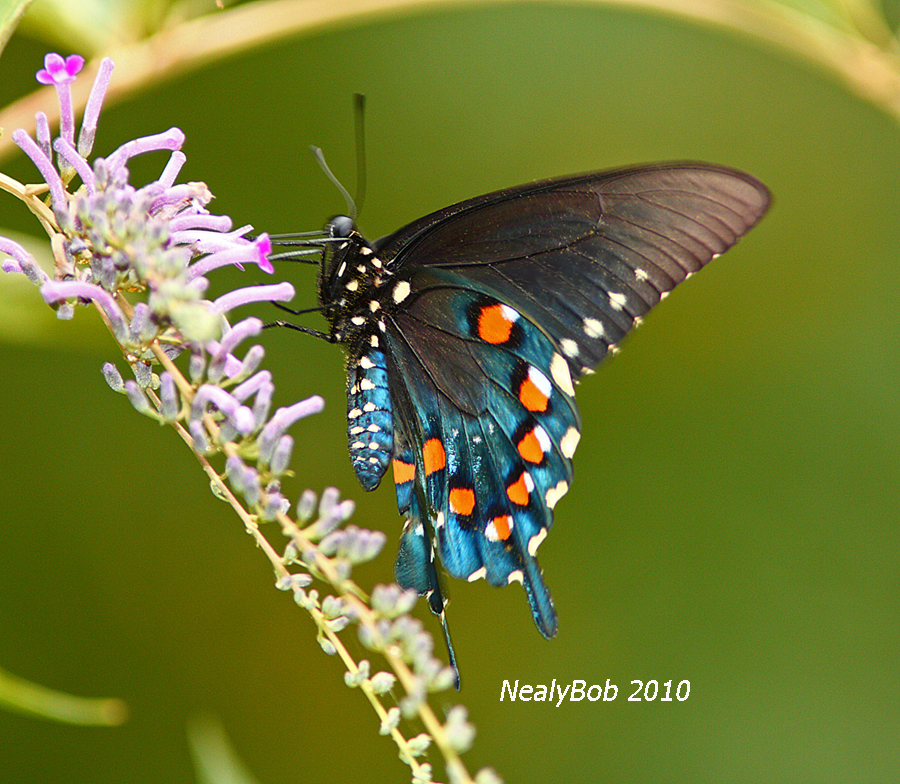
x,y
467,327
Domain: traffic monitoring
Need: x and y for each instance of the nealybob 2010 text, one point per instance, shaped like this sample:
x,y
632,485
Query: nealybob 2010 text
x,y
645,691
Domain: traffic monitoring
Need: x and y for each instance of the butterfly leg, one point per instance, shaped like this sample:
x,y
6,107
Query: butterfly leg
x,y
305,330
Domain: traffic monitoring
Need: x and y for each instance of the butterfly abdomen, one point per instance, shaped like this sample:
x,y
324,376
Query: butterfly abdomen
x,y
370,421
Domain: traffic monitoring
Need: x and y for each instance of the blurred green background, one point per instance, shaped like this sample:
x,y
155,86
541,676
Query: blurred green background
x,y
734,516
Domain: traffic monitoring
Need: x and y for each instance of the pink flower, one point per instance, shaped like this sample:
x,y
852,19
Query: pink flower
x,y
59,71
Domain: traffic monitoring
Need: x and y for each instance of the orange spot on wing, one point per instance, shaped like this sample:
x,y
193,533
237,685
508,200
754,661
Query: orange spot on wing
x,y
493,326
434,456
531,397
517,492
403,472
530,448
462,500
503,526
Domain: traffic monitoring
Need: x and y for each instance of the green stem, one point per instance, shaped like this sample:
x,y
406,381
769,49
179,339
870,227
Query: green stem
x,y
868,69
26,697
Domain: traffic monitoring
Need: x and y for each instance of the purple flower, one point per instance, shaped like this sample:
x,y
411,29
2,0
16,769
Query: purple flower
x,y
141,254
283,419
61,73
255,252
56,70
54,291
159,238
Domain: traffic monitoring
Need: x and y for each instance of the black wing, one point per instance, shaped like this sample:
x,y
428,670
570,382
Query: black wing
x,y
585,256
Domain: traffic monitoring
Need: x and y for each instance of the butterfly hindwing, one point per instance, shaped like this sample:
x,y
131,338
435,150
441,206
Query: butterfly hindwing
x,y
497,456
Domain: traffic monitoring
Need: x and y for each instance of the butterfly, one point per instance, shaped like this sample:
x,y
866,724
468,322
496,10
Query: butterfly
x,y
466,332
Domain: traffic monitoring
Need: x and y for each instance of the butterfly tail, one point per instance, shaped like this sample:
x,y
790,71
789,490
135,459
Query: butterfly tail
x,y
542,609
415,569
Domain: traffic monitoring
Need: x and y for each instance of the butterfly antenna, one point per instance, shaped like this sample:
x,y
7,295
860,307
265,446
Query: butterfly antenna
x,y
351,206
360,117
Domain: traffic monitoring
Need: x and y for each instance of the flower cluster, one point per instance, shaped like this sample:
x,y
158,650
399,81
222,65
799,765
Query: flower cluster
x,y
110,237
141,255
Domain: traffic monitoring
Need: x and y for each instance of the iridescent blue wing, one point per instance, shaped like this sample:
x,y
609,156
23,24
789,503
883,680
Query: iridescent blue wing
x,y
488,435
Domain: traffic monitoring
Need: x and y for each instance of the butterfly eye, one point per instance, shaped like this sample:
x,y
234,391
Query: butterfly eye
x,y
341,227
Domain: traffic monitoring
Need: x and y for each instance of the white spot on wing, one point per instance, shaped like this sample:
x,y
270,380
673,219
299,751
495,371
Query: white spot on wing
x,y
365,362
366,385
569,347
552,496
593,328
374,305
478,574
543,439
616,300
569,442
540,381
515,576
401,291
365,251
536,540
641,275
352,285
439,521
358,320
509,314
559,369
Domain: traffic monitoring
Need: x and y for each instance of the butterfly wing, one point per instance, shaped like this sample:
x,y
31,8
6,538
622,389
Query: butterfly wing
x,y
489,440
502,301
585,256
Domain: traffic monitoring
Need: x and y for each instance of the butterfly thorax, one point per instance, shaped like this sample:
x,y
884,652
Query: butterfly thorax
x,y
351,283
